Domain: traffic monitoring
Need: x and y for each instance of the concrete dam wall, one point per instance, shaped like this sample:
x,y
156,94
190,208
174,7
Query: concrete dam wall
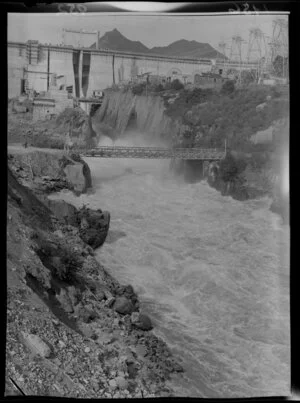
x,y
33,65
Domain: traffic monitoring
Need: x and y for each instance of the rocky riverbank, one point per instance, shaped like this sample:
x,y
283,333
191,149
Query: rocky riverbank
x,y
236,177
72,329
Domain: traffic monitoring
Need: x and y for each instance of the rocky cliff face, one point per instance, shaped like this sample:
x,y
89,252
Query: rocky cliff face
x,y
64,171
72,329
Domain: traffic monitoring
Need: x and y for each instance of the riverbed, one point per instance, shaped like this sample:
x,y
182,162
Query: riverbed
x,y
212,272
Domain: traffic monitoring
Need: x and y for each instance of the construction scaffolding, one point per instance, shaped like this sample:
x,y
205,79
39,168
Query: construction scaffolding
x,y
257,51
77,38
236,53
280,48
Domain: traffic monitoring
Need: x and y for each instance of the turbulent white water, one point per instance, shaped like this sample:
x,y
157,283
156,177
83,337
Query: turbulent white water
x,y
212,272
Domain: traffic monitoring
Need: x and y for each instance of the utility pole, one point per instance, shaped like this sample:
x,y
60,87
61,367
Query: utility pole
x,y
113,67
222,49
98,40
48,69
257,50
236,53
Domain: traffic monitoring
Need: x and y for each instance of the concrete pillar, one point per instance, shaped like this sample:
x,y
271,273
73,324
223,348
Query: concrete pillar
x,y
80,73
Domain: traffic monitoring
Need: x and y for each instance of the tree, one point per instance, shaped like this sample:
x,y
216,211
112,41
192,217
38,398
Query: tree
x,y
228,87
177,85
280,66
159,87
248,77
230,168
138,89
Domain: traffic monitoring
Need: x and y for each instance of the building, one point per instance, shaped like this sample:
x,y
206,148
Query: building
x,y
43,109
209,80
50,103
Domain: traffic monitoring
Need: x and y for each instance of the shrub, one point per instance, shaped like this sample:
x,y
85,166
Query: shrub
x,y
177,85
228,87
230,168
138,89
158,88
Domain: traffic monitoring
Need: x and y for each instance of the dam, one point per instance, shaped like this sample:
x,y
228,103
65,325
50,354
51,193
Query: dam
x,y
32,66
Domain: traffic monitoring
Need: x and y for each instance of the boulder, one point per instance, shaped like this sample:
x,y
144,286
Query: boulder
x,y
65,301
93,237
94,226
84,314
75,176
260,107
113,384
121,382
63,211
141,321
123,305
36,345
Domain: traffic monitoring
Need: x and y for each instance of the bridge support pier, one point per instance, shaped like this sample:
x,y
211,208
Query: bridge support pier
x,y
193,170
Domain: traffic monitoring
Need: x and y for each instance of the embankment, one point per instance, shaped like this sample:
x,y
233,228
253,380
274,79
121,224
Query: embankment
x,y
72,330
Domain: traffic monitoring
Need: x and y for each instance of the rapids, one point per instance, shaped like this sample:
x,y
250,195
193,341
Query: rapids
x,y
212,272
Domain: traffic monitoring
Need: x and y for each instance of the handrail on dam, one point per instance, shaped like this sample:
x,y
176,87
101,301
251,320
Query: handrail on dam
x,y
207,154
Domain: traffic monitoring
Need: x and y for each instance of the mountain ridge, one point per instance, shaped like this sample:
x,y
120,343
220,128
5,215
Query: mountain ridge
x,y
115,40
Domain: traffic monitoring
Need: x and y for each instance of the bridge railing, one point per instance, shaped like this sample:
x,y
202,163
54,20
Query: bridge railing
x,y
154,152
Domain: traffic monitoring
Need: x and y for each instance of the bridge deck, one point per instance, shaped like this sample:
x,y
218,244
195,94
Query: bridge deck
x,y
156,153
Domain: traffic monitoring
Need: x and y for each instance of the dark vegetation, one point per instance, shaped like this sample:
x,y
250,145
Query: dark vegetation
x,y
230,114
228,87
231,168
144,88
44,141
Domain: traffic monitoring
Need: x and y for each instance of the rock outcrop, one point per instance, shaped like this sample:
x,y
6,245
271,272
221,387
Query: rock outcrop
x,y
92,225
52,168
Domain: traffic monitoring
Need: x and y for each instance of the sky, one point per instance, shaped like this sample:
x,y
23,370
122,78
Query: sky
x,y
151,30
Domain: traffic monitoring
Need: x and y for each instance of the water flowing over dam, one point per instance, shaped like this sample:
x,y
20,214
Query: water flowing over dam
x,y
212,272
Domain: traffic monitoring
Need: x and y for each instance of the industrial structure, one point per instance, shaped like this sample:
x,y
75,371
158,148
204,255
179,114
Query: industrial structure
x,y
77,69
268,56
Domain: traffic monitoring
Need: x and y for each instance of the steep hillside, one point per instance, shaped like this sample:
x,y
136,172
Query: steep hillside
x,y
72,329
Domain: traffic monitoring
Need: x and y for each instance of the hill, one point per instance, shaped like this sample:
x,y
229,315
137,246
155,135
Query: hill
x,y
114,40
184,48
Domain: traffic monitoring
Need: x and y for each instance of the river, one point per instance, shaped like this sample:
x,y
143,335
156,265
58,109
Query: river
x,y
212,272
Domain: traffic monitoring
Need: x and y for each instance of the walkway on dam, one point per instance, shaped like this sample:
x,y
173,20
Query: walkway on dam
x,y
205,154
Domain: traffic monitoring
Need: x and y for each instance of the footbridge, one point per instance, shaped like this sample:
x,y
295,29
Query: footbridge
x,y
205,154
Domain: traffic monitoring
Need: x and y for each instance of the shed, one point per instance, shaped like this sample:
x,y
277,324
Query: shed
x,y
43,108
